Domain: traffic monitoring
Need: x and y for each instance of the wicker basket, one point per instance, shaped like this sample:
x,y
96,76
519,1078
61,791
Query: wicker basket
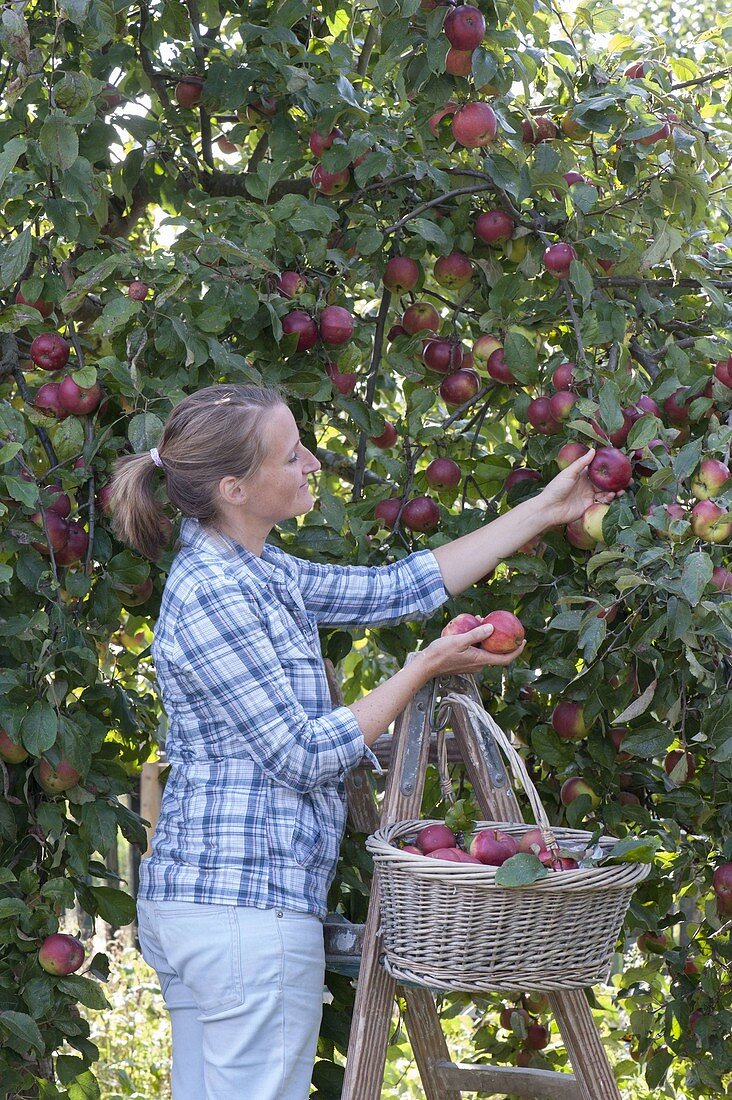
x,y
449,926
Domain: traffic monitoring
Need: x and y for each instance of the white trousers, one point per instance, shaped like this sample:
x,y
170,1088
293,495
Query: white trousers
x,y
244,989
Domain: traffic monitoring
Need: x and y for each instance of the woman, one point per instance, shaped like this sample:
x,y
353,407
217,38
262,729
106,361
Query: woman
x,y
232,897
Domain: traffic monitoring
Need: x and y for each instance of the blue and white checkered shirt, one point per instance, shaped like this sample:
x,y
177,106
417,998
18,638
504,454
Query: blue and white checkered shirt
x,y
254,805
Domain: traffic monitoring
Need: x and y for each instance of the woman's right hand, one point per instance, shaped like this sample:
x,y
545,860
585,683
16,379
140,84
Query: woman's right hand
x,y
462,653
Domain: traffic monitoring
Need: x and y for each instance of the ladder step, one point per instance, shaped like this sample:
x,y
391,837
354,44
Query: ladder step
x,y
534,1084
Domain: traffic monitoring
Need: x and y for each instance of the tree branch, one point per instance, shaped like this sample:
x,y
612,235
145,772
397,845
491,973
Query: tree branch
x,y
345,468
156,79
437,202
638,280
371,389
369,42
702,79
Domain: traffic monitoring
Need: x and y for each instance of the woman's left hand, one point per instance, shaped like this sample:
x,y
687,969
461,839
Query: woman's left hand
x,y
568,494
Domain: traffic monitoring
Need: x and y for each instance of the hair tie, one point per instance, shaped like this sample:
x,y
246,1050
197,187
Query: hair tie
x,y
156,457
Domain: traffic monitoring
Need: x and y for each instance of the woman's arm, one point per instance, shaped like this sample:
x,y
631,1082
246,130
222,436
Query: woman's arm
x,y
465,560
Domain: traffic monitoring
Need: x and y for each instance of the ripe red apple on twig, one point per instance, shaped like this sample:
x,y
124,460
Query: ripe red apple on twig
x,y
61,954
574,788
464,27
707,522
494,226
421,514
49,351
335,326
11,751
420,316
557,259
188,91
474,125
387,438
442,355
454,271
443,473
401,274
568,720
301,323
330,183
459,387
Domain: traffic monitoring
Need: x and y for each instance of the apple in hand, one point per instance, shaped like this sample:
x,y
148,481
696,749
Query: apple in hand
x,y
508,632
610,470
61,954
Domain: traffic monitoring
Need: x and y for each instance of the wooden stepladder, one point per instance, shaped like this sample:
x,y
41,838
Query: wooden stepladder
x,y
443,1079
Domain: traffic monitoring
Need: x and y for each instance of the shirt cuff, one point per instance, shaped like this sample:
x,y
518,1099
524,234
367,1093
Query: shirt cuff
x,y
350,745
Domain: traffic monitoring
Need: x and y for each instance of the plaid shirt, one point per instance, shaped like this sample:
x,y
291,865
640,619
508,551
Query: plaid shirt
x,y
254,805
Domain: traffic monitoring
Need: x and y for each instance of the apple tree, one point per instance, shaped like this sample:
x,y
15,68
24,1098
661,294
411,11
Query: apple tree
x,y
468,241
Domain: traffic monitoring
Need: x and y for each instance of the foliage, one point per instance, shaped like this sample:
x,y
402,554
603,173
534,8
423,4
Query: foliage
x,y
206,204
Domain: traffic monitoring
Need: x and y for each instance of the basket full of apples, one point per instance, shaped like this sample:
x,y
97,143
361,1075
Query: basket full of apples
x,y
496,905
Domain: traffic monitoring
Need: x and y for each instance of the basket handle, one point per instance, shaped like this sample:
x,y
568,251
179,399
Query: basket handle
x,y
515,762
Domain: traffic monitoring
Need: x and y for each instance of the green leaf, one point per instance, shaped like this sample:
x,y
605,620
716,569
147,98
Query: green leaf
x,y
22,1027
59,141
86,1086
144,431
76,10
11,152
68,438
697,573
84,989
15,258
581,280
634,849
114,906
428,231
638,706
648,742
39,728
12,907
642,432
521,870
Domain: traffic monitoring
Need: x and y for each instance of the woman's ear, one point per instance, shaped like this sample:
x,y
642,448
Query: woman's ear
x,y
232,490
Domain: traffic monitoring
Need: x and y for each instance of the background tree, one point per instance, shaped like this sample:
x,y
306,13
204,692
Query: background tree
x,y
450,247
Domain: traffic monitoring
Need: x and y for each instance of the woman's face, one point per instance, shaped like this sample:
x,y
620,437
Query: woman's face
x,y
280,490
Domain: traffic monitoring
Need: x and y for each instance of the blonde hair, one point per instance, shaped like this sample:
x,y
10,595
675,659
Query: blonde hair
x,y
213,433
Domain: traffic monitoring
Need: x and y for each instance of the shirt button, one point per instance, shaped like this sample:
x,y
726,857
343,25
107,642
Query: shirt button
x,y
279,912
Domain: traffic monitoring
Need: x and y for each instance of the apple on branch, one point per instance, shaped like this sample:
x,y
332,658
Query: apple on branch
x,y
401,274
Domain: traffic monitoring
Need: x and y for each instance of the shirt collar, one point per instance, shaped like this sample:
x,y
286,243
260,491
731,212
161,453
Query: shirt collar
x,y
208,542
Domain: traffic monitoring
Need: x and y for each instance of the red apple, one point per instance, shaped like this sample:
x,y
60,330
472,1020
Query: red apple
x,y
188,91
563,376
537,1037
722,886
578,537
442,473
676,406
461,624
464,27
557,259
459,62
78,400
661,134
499,369
453,855
572,128
646,404
55,778
483,349
493,847
387,438
336,326
617,736
401,274
684,761
592,520
493,226
10,751
394,331
575,787
569,453
519,474
49,351
76,545
561,404
539,414
421,514
442,355
568,720
419,317
226,145
540,128
291,283
636,70
474,125
444,112
58,531
654,943
721,579
707,522
140,594
723,371
48,402
387,511
558,863
454,271
61,954
330,183
506,1018
318,144
459,387
412,849
138,291
532,841
508,632
434,837
710,479
610,470
344,383
43,307
61,502
643,468
301,323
